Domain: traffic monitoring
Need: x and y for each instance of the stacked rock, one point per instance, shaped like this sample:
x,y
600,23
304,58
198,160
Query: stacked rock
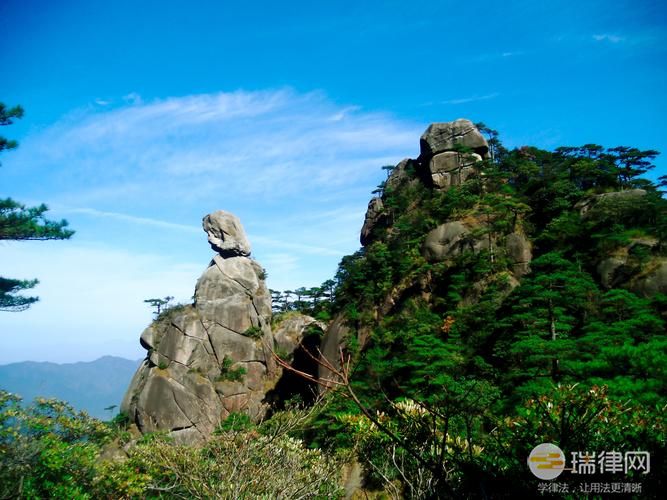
x,y
213,357
451,150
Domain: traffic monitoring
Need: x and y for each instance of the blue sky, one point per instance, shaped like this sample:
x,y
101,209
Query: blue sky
x,y
141,117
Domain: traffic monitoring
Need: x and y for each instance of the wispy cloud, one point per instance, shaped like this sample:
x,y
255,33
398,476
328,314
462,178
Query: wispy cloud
x,y
135,177
474,98
496,56
647,39
129,218
606,37
257,238
299,247
245,143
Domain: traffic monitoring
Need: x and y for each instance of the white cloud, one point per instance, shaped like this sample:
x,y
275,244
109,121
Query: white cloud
x,y
496,56
271,144
91,299
134,180
475,98
129,218
343,113
606,37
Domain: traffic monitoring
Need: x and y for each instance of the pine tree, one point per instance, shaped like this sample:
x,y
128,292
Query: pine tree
x,y
625,348
21,223
631,163
547,311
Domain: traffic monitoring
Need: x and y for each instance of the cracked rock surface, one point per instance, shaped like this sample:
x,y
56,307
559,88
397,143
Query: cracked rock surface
x,y
441,137
210,358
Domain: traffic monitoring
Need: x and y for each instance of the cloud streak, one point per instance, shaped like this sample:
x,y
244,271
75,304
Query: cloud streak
x,y
130,218
475,98
245,143
606,37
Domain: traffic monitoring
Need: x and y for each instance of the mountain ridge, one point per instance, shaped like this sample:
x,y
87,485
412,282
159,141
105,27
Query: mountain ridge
x,y
86,385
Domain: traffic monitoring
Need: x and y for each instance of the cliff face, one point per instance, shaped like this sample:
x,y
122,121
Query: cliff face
x,y
448,238
210,358
457,230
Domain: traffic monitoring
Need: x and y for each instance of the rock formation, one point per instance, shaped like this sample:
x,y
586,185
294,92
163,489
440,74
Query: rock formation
x,y
450,151
374,216
441,137
453,238
449,154
297,339
210,358
638,265
213,357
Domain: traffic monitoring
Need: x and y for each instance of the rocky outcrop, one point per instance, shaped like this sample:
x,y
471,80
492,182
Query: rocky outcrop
x,y
374,217
450,151
452,169
652,280
290,332
449,156
589,204
637,266
519,253
450,136
334,339
297,338
226,235
213,357
399,175
451,239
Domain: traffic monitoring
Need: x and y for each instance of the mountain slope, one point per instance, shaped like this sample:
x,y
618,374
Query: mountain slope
x,y
90,386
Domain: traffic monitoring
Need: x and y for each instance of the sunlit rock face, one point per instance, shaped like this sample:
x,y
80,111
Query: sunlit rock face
x,y
450,154
450,151
213,357
226,235
450,136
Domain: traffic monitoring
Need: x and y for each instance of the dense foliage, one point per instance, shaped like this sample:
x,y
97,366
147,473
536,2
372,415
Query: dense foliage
x,y
477,349
48,450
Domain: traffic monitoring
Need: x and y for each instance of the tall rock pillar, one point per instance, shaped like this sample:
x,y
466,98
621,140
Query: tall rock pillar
x,y
210,358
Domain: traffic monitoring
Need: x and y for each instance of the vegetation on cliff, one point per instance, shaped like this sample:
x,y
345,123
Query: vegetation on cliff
x,y
521,303
491,354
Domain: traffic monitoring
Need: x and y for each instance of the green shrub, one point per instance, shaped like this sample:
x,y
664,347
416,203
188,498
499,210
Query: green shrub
x,y
283,353
237,462
169,312
48,449
235,422
254,332
227,373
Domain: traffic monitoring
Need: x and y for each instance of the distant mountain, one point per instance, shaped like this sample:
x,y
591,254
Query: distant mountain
x,y
90,386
